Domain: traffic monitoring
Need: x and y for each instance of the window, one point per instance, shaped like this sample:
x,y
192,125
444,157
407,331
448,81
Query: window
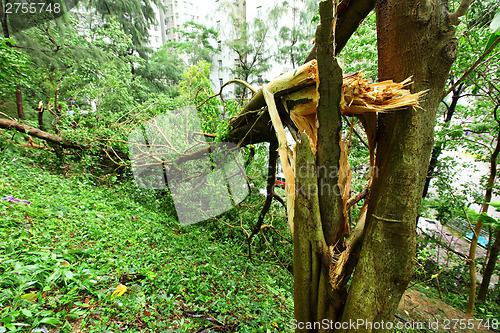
x,y
157,39
221,82
220,63
259,11
219,45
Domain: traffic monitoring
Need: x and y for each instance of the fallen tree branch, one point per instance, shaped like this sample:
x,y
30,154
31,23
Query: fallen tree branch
x,y
356,198
350,14
11,124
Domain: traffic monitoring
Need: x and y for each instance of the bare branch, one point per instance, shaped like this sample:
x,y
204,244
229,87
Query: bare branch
x,y
356,198
461,11
473,67
271,180
246,84
356,132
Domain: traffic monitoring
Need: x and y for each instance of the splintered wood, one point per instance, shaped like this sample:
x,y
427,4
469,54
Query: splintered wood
x,y
296,92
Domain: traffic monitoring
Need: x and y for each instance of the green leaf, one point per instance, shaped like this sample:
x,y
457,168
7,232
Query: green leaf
x,y
32,297
53,277
472,214
27,313
50,321
495,23
492,39
68,275
487,219
495,204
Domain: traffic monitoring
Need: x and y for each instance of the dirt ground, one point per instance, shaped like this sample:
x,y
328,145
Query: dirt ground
x,y
435,315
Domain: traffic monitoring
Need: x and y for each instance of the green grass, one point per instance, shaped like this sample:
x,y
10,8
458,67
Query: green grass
x,y
62,257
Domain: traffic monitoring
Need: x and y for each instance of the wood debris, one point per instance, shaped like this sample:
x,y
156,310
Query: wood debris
x,y
297,92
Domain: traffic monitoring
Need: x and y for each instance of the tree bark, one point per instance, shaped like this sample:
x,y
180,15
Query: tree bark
x,y
414,38
490,267
19,103
3,19
477,230
5,123
329,123
350,14
318,210
314,299
40,110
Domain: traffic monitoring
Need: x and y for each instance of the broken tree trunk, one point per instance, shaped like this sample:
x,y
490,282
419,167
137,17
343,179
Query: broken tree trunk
x,y
253,125
40,111
19,103
318,217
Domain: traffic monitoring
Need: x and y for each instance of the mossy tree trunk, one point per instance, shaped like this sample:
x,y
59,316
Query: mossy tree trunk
x,y
495,248
414,38
318,205
490,267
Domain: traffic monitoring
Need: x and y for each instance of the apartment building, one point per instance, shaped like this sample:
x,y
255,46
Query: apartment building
x,y
171,15
223,16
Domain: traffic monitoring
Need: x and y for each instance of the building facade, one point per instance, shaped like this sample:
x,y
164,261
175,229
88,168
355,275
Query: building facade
x,y
226,17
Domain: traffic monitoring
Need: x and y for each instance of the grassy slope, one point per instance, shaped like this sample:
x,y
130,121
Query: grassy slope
x,y
62,257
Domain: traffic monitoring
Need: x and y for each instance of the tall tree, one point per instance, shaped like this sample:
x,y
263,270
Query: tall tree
x,y
404,141
196,43
249,41
295,36
414,38
134,16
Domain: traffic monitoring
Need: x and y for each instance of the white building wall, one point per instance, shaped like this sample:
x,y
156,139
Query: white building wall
x,y
172,15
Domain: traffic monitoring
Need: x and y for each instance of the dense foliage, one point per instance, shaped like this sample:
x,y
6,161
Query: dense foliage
x,y
87,229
